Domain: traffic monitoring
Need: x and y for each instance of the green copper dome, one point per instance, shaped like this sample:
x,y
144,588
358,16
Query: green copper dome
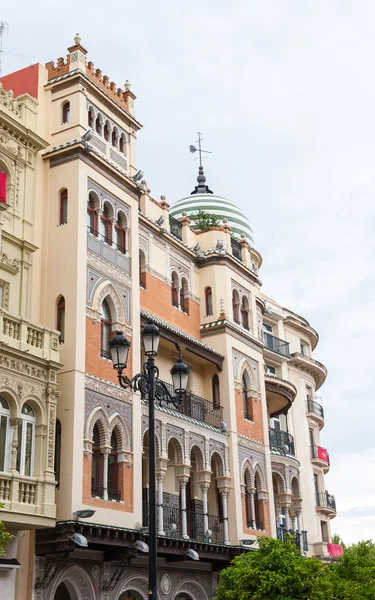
x,y
203,199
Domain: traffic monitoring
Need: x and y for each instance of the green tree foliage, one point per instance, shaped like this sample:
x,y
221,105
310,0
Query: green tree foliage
x,y
278,571
205,220
353,575
336,539
5,536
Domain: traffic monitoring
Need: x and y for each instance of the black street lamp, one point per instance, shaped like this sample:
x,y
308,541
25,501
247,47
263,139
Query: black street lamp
x,y
150,386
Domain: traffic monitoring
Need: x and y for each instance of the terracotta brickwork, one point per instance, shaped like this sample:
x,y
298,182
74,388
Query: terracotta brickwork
x,y
125,486
95,364
157,299
252,429
264,516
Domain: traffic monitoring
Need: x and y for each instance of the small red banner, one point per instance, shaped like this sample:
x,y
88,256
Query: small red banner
x,y
335,550
323,454
3,187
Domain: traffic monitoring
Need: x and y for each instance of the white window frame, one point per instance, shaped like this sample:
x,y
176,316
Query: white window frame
x,y
268,328
268,367
25,419
4,412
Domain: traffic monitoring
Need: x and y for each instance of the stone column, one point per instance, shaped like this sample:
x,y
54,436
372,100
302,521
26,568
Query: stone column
x,y
252,506
224,502
105,452
179,297
159,478
299,529
204,487
15,423
183,510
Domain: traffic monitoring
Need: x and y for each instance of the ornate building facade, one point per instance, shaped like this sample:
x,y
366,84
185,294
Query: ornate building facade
x,y
241,458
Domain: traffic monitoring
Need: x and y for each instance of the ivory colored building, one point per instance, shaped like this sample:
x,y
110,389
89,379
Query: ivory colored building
x,y
86,250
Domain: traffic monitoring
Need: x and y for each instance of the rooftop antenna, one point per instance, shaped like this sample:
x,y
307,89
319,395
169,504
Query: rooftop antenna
x,y
3,29
201,188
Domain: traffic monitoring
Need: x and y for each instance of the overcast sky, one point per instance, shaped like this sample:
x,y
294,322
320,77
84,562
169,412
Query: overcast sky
x,y
284,93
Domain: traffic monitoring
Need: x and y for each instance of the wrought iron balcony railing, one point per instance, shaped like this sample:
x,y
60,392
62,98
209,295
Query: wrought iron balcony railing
x,y
325,500
256,525
281,442
195,524
315,407
281,534
98,492
196,407
105,353
276,344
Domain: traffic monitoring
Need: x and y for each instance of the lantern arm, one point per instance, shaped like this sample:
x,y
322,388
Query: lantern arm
x,y
164,397
138,383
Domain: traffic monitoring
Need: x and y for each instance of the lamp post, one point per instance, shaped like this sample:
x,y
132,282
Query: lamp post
x,y
150,387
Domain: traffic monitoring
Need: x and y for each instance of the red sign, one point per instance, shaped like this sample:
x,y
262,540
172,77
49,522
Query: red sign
x,y
3,187
323,454
335,550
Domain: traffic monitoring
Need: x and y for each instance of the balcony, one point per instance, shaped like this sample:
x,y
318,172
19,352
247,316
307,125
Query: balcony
x,y
320,457
275,344
172,524
300,538
21,334
195,407
311,366
27,502
325,503
280,394
175,227
315,411
281,442
107,249
98,492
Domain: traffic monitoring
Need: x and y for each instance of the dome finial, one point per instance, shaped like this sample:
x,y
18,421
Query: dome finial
x,y
201,188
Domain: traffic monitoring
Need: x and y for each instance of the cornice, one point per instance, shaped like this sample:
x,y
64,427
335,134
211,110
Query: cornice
x,y
226,326
97,91
21,133
76,149
311,366
305,328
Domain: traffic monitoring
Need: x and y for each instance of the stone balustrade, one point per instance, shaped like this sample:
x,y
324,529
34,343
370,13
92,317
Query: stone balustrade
x,y
22,334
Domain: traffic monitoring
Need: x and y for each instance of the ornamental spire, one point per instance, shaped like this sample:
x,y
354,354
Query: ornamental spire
x,y
201,188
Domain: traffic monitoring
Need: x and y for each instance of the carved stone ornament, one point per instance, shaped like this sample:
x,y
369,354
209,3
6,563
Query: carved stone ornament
x,y
9,102
108,389
192,589
12,265
109,271
165,583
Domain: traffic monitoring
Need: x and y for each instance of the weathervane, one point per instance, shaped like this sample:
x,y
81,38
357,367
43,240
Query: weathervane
x,y
201,188
199,149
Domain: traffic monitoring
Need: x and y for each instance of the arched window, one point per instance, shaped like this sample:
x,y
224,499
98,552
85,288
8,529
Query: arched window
x,y
62,593
98,124
215,391
92,217
183,596
97,465
258,503
208,296
132,595
106,330
175,290
122,144
57,453
249,516
63,206
120,232
106,131
106,225
184,296
246,397
60,324
245,312
142,270
90,117
65,113
113,478
115,137
235,306
4,434
26,441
